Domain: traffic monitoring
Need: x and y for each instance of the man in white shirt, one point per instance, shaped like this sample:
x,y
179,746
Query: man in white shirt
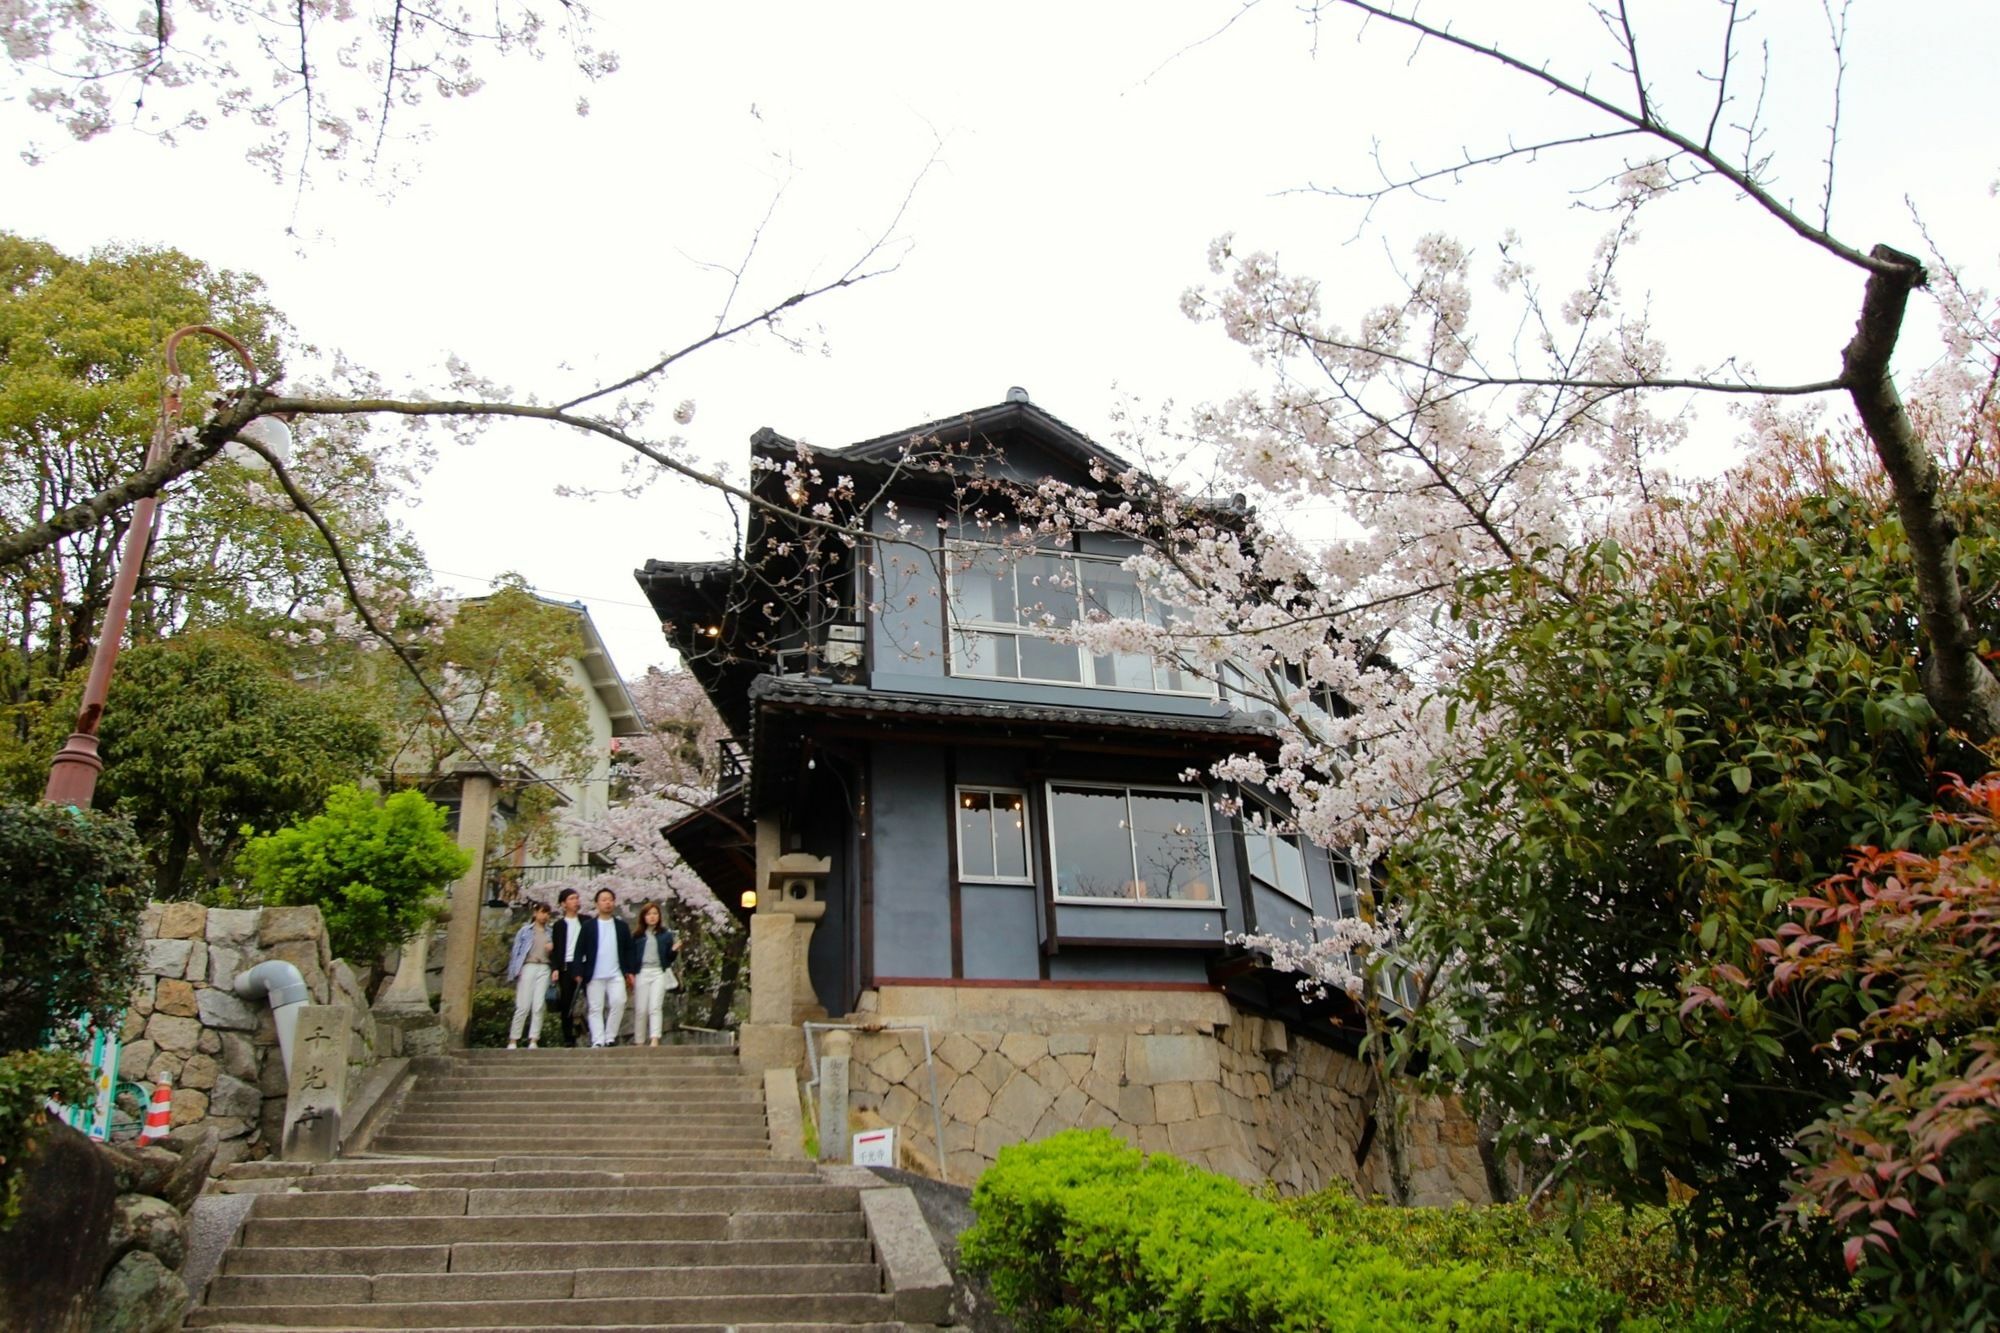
x,y
603,955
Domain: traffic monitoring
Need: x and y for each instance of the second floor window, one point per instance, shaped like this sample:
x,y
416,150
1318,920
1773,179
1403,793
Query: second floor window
x,y
1131,845
1004,603
1277,860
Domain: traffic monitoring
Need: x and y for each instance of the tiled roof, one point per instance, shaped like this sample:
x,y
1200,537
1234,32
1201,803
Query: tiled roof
x,y
796,692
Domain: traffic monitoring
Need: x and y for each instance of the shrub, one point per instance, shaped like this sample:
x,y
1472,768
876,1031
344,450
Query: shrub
x,y
28,1081
1080,1232
493,1013
69,922
372,868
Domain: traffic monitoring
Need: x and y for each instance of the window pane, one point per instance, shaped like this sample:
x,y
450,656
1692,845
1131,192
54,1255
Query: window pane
x,y
1048,589
1042,660
982,584
1344,890
975,834
984,655
1291,858
1257,842
1170,837
1010,834
1092,847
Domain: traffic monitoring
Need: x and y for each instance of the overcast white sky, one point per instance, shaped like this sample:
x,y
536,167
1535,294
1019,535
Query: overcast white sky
x,y
1084,159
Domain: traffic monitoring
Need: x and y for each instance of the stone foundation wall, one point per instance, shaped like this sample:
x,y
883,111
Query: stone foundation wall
x,y
185,1021
1197,1078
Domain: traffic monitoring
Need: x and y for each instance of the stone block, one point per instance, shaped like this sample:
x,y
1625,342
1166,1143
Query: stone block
x,y
1173,1103
171,1033
1172,1058
135,1058
208,1043
783,1119
317,1088
198,1072
913,1271
165,958
271,1077
149,920
222,1009
165,1065
237,1056
197,964
190,1105
232,925
1151,1138
1096,1115
1022,1049
1100,1089
1070,1043
141,1222
1070,1104
892,1065
174,997
958,1053
1191,1136
280,925
182,921
233,1096
1108,1061
1050,1075
1075,1066
967,1101
1135,1105
984,1040
141,999
993,1070
1020,1104
305,956
225,964
990,1136
1207,1099
132,1026
140,1294
900,1105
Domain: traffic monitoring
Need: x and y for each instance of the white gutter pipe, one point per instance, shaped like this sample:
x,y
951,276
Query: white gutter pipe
x,y
286,987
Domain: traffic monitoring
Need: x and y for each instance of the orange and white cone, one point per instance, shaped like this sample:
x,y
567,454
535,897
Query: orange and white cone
x,y
160,1114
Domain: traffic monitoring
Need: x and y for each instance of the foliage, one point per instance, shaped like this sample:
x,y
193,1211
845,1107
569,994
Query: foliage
x,y
373,868
1080,1232
1904,1168
29,1080
1691,742
69,922
81,376
207,740
493,1014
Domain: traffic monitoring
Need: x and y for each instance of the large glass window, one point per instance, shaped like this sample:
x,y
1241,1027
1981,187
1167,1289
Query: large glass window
x,y
1277,860
1131,845
993,835
1003,603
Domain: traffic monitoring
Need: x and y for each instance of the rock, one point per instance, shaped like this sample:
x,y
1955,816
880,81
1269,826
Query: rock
x,y
232,926
967,1101
224,965
277,925
199,1072
196,1162
197,968
133,1026
166,1065
142,1222
239,1056
170,1033
142,994
1173,1102
1023,1049
189,1106
55,1251
1070,1043
174,997
1019,1105
234,1097
208,1043
166,958
893,1065
140,1295
134,1059
138,1170
182,921
221,1009
305,956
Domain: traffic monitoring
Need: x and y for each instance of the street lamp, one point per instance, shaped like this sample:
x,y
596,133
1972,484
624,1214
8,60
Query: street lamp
x,y
73,774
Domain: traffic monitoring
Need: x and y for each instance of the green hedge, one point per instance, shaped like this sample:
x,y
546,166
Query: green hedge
x,y
1080,1233
492,1014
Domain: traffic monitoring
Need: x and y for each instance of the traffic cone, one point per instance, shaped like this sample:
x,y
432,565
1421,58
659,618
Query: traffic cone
x,y
159,1115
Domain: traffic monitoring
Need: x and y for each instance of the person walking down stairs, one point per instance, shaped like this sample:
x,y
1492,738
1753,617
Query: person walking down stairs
x,y
528,969
653,961
601,954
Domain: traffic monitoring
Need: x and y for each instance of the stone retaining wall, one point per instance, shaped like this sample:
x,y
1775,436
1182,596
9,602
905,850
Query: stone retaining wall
x,y
1213,1086
185,1021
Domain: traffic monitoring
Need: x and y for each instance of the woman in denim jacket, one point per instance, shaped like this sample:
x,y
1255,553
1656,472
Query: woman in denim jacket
x,y
528,969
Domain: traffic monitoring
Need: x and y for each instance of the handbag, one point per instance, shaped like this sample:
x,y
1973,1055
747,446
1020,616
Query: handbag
x,y
672,982
553,999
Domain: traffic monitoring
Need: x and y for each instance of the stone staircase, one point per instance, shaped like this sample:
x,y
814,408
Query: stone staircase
x,y
557,1189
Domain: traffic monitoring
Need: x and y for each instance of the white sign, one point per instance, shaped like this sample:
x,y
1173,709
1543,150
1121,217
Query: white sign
x,y
874,1147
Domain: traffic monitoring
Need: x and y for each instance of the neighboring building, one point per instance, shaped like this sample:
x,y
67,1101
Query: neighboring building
x,y
960,823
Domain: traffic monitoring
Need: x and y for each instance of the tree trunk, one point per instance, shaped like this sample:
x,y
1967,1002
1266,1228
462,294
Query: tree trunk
x,y
1956,680
725,989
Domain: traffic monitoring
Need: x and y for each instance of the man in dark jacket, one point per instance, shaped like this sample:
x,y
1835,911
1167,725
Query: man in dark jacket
x,y
602,953
565,942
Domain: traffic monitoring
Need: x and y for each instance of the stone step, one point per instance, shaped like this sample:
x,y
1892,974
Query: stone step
x,y
555,1175
581,1149
572,1095
515,1256
788,1279
538,1229
866,1327
612,1113
486,1201
821,1310
489,1143
671,1050
585,1084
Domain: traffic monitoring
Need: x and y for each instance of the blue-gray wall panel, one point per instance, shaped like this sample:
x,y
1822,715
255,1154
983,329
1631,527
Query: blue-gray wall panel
x,y
1134,965
1281,916
1000,931
911,862
1138,924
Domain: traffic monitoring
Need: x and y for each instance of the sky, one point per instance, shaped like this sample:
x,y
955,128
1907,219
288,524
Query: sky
x,y
1048,178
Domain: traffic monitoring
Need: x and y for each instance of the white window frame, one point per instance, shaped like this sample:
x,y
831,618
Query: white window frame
x,y
1208,840
1266,831
1018,629
958,835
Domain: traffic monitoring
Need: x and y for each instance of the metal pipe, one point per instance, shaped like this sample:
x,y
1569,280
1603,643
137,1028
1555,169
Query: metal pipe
x,y
286,987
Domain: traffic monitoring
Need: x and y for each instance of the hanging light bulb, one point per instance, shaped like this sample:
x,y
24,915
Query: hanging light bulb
x,y
270,432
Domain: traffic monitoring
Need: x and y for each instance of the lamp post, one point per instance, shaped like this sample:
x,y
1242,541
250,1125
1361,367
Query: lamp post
x,y
73,774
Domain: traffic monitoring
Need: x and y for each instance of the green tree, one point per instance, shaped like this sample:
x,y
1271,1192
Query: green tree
x,y
373,868
1687,742
80,384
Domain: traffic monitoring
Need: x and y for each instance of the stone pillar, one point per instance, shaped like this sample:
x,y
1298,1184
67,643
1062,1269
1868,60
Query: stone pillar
x,y
836,1050
408,992
318,1084
461,940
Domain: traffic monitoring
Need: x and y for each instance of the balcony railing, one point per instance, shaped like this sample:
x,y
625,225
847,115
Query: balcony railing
x,y
731,763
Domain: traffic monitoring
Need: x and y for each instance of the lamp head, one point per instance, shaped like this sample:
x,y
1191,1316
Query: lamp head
x,y
271,432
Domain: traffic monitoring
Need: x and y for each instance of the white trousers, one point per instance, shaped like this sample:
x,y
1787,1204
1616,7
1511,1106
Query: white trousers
x,y
531,995
649,1003
606,992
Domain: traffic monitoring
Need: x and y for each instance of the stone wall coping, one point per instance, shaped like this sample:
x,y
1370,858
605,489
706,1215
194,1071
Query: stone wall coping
x,y
781,1114
913,1270
1048,1008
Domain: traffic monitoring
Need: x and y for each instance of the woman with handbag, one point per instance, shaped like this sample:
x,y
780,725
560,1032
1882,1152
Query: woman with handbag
x,y
528,969
652,958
